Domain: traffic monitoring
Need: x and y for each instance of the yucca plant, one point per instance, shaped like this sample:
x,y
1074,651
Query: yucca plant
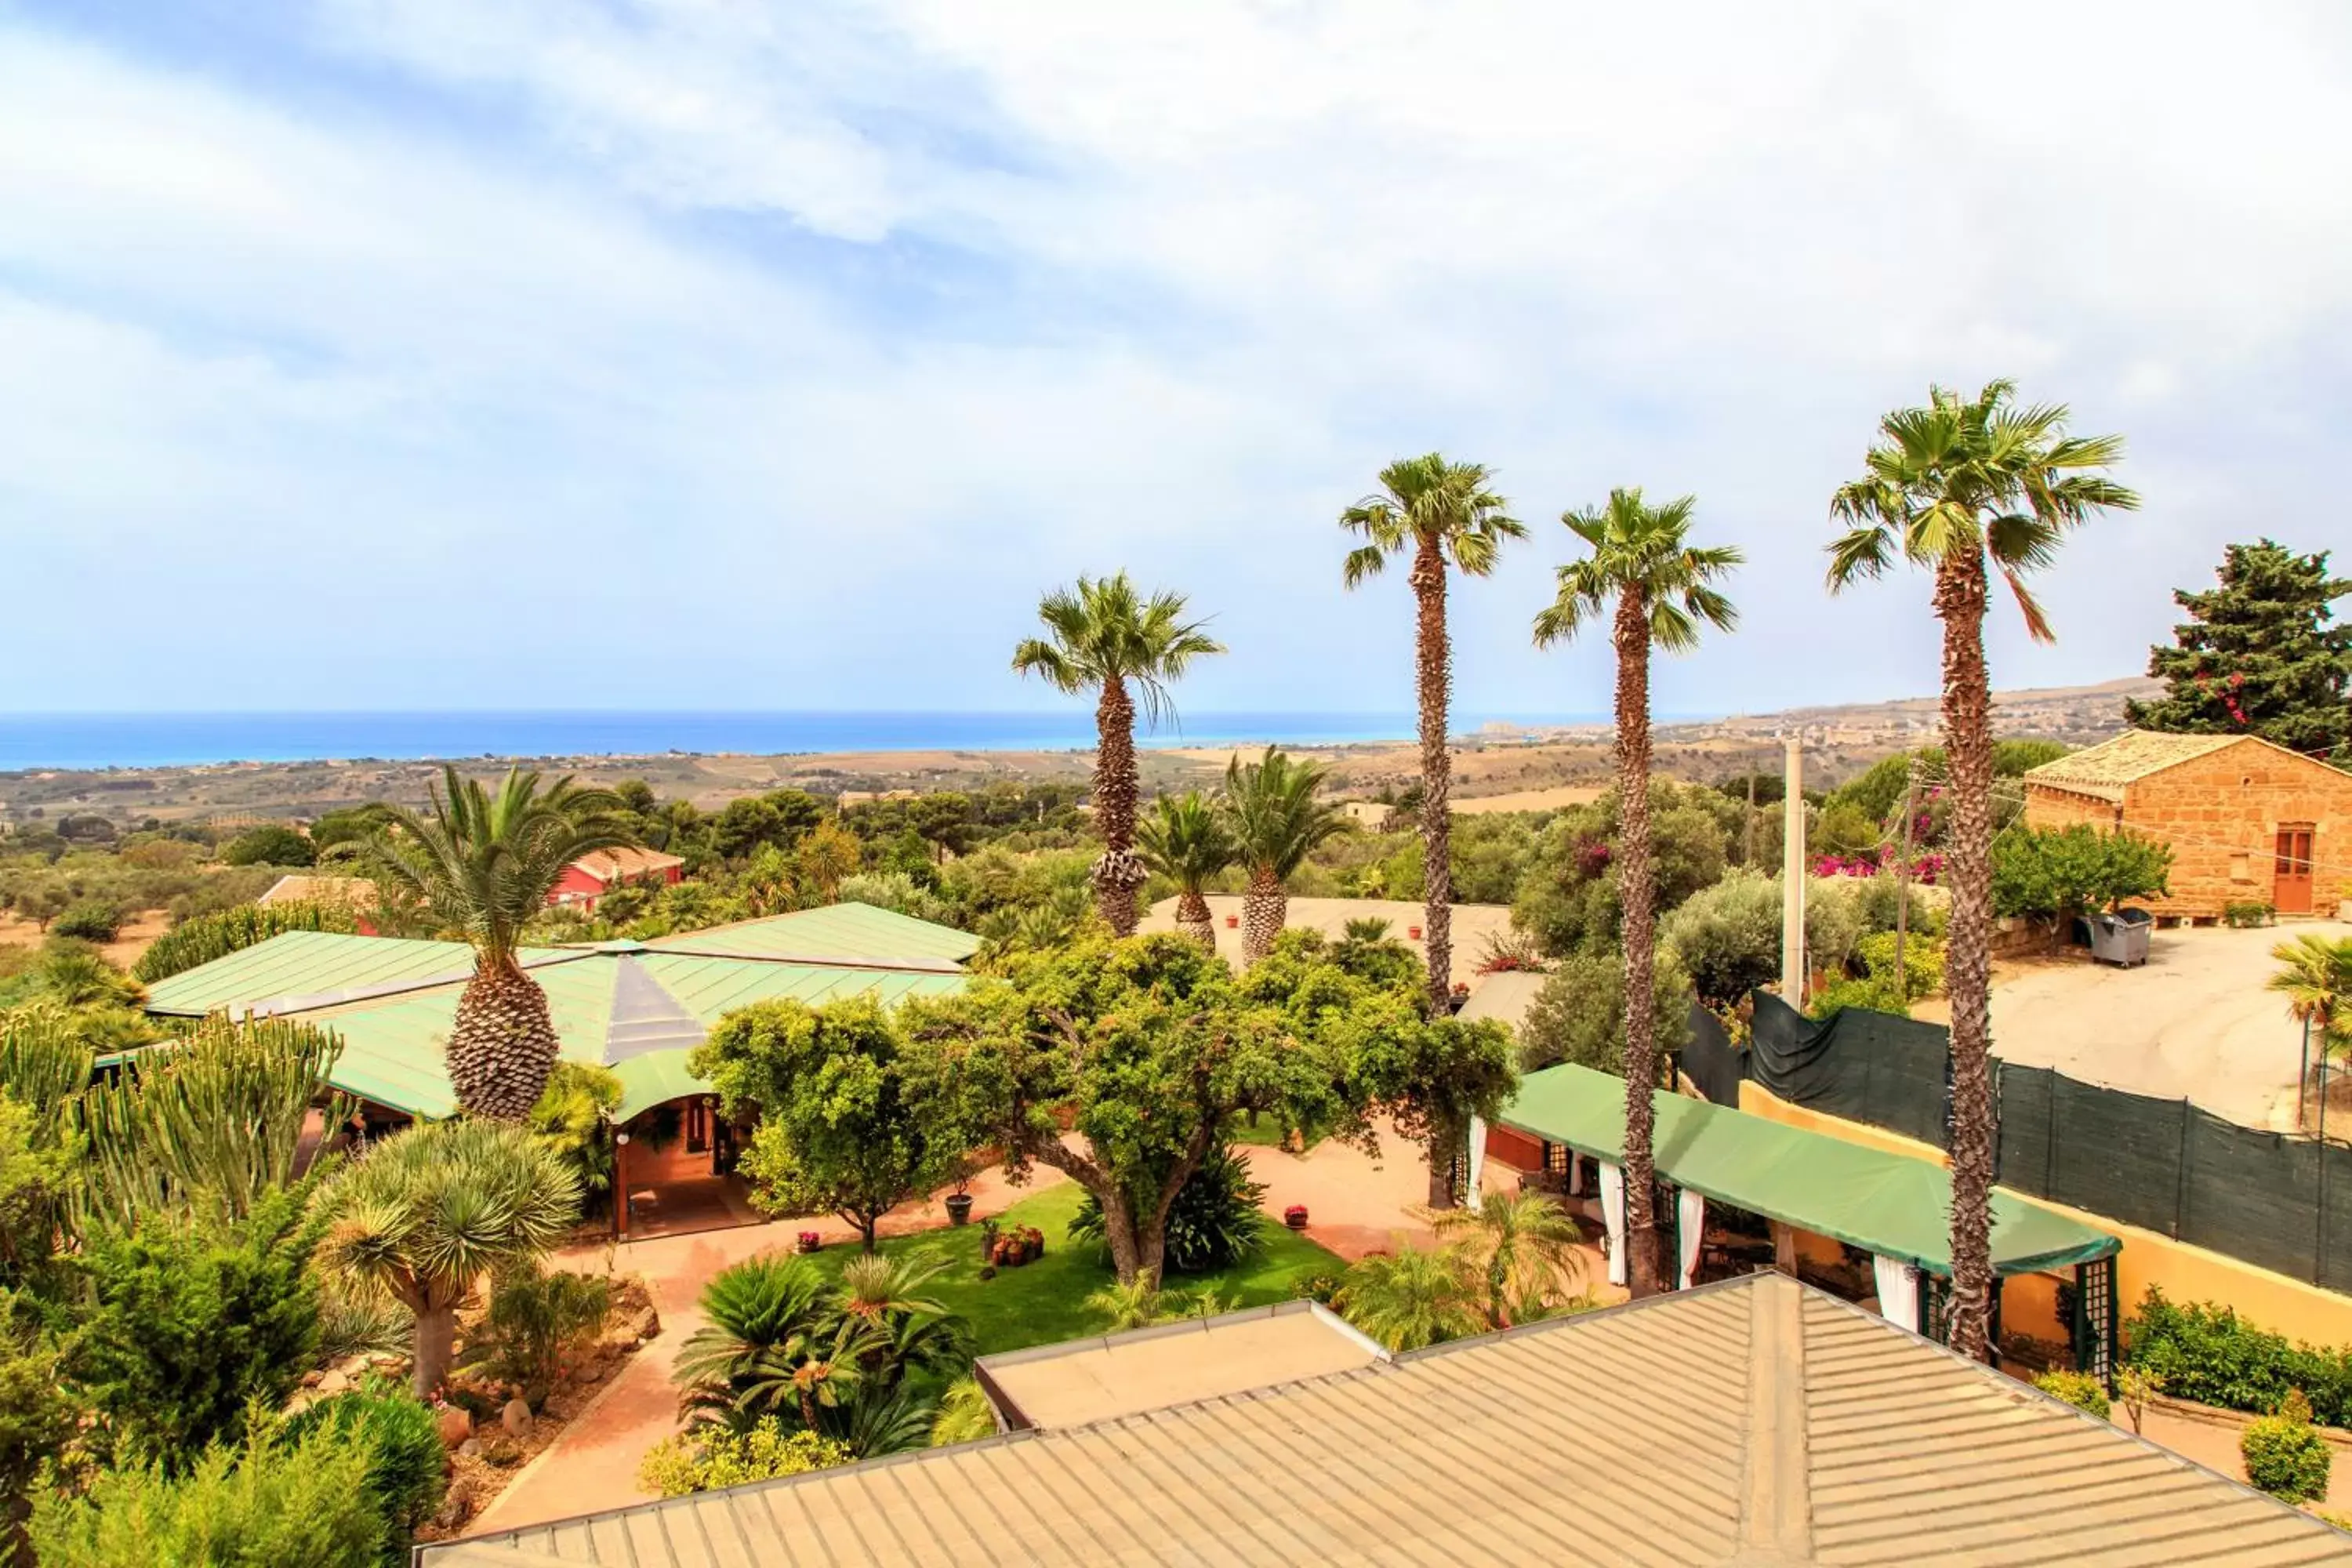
x,y
1277,824
483,864
213,1119
430,1210
201,939
1187,840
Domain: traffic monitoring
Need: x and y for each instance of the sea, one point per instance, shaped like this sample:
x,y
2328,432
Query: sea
x,y
99,741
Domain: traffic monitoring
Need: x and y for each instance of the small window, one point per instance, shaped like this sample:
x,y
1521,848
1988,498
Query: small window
x,y
697,1128
2242,867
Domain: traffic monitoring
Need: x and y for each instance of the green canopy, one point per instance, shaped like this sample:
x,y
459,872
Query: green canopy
x,y
1888,1204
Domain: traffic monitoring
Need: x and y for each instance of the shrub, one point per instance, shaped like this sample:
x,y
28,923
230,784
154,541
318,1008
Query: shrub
x,y
272,844
1923,961
1215,1223
1727,937
2245,916
200,939
2205,1351
573,1118
1877,994
965,1415
2056,874
2284,1457
305,1501
535,1319
712,1457
90,921
193,1324
2078,1389
1579,1014
406,1466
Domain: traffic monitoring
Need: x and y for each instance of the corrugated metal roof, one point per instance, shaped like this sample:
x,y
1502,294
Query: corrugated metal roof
x,y
306,963
710,988
834,931
1890,1203
2106,770
1756,1421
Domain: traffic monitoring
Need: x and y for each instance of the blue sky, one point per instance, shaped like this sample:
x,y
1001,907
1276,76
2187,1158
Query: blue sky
x,y
628,354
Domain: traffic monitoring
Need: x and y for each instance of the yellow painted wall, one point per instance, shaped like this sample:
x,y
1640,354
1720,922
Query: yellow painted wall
x,y
2185,1273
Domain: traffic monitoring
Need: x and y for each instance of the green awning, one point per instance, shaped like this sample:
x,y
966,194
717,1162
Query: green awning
x,y
1888,1204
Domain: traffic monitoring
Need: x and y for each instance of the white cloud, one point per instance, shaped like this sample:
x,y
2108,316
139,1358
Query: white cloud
x,y
845,328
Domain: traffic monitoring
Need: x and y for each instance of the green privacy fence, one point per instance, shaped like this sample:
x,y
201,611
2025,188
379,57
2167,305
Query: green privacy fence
x,y
2275,1200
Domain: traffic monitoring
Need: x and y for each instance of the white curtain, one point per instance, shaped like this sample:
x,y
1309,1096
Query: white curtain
x,y
1690,1226
1898,1291
1477,1162
1612,1211
1575,1174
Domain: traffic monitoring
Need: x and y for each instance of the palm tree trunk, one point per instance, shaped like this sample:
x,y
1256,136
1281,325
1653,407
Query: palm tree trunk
x,y
1433,657
503,1044
1264,908
1637,897
1445,1141
1120,870
1193,920
1968,741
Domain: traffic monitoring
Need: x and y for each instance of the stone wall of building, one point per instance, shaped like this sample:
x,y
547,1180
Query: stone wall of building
x,y
2221,813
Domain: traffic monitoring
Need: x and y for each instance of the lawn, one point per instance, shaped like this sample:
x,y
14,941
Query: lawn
x,y
1045,1302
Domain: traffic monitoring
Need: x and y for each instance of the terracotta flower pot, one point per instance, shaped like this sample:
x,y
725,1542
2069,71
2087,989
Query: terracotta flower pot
x,y
1295,1216
1233,922
811,1241
1413,931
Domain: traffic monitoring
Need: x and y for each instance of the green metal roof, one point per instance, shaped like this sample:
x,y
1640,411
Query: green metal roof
x,y
1888,1204
635,1007
834,931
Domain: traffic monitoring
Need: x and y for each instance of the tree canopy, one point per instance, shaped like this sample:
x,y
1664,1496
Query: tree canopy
x,y
2258,656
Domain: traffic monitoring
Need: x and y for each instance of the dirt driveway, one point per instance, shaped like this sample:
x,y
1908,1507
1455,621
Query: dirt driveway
x,y
2194,1023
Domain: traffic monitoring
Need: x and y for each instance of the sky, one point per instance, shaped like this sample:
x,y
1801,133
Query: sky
x,y
707,354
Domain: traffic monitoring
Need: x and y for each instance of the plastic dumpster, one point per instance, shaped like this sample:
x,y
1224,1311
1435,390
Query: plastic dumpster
x,y
2121,938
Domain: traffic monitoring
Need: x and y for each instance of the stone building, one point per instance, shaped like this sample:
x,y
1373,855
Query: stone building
x,y
2249,821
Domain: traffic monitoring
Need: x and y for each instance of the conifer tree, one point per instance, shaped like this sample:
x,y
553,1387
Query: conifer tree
x,y
2258,656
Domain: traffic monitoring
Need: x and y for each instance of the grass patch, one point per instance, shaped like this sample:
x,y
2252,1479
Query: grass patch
x,y
1267,1134
1045,1302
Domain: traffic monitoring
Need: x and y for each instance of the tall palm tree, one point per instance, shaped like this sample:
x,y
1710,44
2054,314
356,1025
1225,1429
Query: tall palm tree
x,y
1437,511
1949,488
1106,637
485,864
1663,589
1276,823
426,1214
1186,839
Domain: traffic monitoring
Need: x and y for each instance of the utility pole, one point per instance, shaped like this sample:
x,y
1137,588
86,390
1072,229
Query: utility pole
x,y
1903,878
1792,876
1747,857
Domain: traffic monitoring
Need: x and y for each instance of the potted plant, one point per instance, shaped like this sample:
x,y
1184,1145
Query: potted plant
x,y
959,1175
1413,931
1295,1216
1233,922
811,1241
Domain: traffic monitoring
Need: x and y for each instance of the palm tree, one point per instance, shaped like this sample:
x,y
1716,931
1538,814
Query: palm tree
x,y
1410,1297
1106,636
1521,1247
1946,487
2315,975
483,864
1277,824
427,1212
1435,511
1186,840
775,1343
1662,587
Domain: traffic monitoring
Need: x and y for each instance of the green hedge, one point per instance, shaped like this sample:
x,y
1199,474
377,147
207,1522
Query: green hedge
x,y
203,938
2206,1352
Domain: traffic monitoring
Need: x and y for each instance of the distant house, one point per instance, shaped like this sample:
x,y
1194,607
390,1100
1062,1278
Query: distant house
x,y
2247,821
1369,814
590,878
850,797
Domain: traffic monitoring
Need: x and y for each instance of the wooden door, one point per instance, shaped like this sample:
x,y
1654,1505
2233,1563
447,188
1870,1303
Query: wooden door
x,y
2291,872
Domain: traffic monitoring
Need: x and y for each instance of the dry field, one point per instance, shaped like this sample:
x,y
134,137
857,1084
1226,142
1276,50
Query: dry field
x,y
139,932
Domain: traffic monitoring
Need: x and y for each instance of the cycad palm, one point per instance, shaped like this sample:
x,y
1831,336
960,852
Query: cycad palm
x,y
1438,512
1106,636
1949,488
483,864
428,1212
1657,589
775,1343
1277,824
1186,839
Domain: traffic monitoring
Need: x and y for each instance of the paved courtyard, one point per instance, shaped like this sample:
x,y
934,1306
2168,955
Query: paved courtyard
x,y
2194,1023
